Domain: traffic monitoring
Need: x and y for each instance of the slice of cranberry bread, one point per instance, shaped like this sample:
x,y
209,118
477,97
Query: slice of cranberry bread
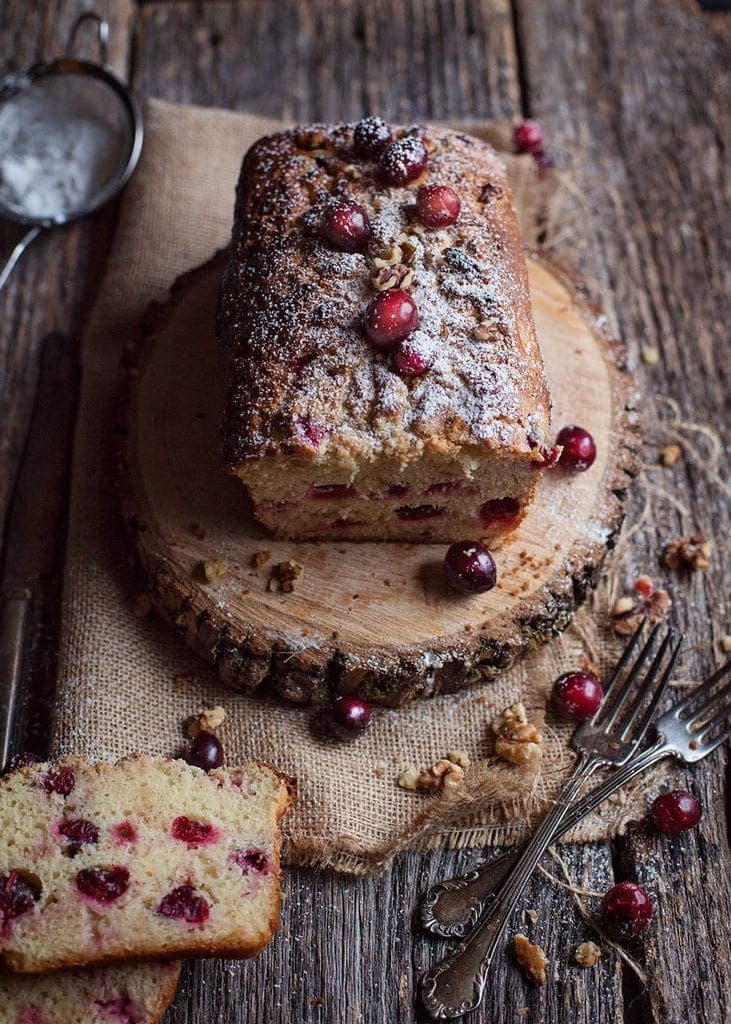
x,y
144,859
384,380
128,994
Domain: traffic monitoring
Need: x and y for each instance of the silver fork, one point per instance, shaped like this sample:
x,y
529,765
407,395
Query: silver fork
x,y
456,985
452,907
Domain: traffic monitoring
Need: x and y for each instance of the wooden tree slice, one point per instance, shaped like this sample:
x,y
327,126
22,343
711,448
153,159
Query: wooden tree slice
x,y
375,618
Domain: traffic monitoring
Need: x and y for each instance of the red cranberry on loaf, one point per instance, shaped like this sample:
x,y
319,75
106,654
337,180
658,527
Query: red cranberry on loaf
x,y
404,160
345,225
391,317
370,137
437,206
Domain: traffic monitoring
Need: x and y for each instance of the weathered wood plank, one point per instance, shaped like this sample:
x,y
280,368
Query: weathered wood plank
x,y
634,99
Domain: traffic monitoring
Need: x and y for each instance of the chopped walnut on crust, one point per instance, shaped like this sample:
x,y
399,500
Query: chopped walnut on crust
x,y
587,954
213,569
688,553
284,575
517,740
643,603
396,276
671,454
260,558
531,958
207,720
443,774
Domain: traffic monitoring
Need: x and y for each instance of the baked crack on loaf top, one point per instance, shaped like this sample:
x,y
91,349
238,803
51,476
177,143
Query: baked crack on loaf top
x,y
128,994
329,437
145,859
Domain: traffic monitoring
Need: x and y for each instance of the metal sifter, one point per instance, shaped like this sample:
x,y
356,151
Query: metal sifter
x,y
70,137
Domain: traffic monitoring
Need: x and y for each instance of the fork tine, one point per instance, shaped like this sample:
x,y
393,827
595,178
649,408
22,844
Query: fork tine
x,y
703,689
622,663
709,707
657,697
711,724
620,697
709,747
636,705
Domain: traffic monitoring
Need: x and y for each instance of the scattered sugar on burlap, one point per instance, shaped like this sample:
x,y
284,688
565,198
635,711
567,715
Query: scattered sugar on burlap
x,y
127,683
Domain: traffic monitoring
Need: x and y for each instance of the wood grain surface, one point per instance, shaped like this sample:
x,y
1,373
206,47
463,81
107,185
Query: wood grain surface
x,y
634,97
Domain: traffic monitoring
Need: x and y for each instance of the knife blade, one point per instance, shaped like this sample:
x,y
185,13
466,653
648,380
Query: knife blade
x,y
36,519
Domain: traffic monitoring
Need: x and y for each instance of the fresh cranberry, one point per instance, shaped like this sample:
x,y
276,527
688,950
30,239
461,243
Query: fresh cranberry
x,y
125,832
391,317
327,491
528,137
626,910
470,567
577,696
345,225
205,751
17,897
415,513
579,450
103,884
404,160
438,206
79,830
123,1008
498,510
252,861
350,716
676,811
185,905
551,456
59,780
371,136
411,359
194,833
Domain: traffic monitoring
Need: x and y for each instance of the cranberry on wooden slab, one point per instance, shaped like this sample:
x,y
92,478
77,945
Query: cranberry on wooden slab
x,y
579,450
438,206
528,137
404,160
676,811
350,716
184,904
371,136
345,225
103,884
205,751
626,910
391,317
470,568
577,696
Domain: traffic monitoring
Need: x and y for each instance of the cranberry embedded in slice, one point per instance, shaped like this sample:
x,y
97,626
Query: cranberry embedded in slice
x,y
412,359
415,513
60,780
184,904
254,861
676,811
404,160
371,136
103,884
194,833
345,225
528,137
579,450
79,830
391,317
626,910
323,492
125,832
470,568
577,696
123,1008
438,206
17,897
350,716
205,751
311,432
498,510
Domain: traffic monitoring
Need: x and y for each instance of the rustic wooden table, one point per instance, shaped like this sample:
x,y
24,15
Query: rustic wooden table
x,y
634,98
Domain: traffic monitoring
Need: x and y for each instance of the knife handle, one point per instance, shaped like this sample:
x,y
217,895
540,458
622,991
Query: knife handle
x,y
14,623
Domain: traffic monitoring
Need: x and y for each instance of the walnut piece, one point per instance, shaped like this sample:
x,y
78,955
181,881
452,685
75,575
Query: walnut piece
x,y
671,454
409,778
650,355
517,740
460,757
214,569
531,958
260,558
443,774
688,553
587,954
643,603
396,276
284,575
207,720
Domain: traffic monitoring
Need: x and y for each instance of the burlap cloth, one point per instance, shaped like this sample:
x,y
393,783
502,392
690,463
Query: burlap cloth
x,y
127,684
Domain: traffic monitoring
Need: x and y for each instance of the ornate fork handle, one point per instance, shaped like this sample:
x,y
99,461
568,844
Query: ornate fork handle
x,y
455,985
451,908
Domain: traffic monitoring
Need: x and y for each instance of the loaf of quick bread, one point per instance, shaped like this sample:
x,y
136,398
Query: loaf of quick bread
x,y
383,376
144,859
